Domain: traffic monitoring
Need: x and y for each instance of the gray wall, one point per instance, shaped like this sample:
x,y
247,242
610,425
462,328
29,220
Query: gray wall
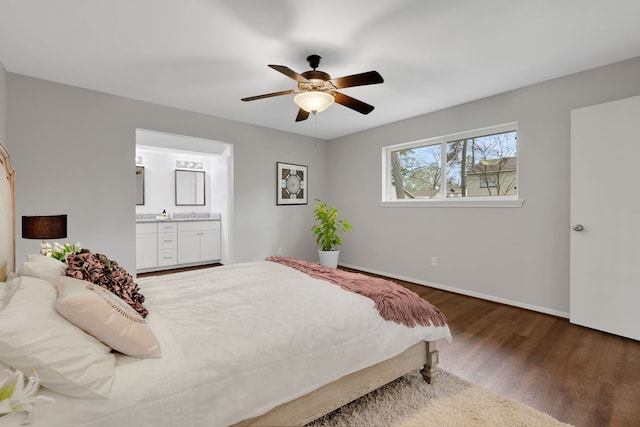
x,y
73,152
515,255
3,103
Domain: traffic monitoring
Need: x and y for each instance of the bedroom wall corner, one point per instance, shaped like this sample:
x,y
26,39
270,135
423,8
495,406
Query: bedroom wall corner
x,y
508,254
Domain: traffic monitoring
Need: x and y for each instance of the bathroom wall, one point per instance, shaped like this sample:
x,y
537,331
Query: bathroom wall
x,y
159,180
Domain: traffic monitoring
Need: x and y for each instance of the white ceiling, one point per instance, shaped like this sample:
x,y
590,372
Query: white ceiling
x,y
204,55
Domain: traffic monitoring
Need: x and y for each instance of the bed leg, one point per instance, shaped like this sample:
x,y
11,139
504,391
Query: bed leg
x,y
428,371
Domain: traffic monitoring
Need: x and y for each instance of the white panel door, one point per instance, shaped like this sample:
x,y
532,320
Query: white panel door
x,y
605,202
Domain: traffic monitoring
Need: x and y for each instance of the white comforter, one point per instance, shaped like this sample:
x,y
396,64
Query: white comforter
x,y
237,341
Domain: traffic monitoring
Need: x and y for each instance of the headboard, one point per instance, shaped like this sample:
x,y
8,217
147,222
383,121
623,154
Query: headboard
x,y
7,215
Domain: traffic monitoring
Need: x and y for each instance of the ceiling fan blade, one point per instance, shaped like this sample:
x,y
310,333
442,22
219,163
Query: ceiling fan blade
x,y
268,95
302,115
354,104
289,73
368,78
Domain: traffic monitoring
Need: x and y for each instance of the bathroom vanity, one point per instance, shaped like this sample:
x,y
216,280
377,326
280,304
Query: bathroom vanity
x,y
163,244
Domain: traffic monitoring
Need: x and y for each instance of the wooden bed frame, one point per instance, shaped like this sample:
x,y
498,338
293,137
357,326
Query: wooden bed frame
x,y
330,397
7,207
302,410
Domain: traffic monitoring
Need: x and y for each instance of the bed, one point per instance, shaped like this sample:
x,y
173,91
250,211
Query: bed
x,y
257,343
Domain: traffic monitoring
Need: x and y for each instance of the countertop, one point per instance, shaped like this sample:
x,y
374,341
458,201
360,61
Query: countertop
x,y
152,218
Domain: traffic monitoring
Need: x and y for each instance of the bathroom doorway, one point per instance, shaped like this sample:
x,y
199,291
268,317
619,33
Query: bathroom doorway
x,y
159,155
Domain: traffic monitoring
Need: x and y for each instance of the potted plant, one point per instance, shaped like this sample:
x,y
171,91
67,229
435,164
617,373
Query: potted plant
x,y
327,232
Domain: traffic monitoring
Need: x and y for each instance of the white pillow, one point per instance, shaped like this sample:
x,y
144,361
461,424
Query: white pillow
x,y
43,258
43,267
7,289
104,315
34,335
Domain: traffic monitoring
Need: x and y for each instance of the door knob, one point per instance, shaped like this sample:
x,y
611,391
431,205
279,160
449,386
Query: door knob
x,y
578,227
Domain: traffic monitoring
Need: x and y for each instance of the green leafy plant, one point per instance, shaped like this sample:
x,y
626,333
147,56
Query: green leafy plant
x,y
328,227
60,252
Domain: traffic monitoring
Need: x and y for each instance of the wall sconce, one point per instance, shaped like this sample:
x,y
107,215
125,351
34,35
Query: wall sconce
x,y
184,164
44,227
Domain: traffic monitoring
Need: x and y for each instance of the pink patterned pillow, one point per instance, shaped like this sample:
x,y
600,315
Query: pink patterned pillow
x,y
98,269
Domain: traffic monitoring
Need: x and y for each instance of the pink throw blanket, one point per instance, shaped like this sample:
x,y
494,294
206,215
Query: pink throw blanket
x,y
393,301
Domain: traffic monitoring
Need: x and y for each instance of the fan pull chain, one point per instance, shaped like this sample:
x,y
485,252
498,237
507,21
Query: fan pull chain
x,y
315,128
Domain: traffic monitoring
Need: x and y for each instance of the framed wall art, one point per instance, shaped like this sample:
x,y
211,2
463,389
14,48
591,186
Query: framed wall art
x,y
291,184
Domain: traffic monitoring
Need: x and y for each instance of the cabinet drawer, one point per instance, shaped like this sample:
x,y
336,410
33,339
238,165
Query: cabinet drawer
x,y
144,228
167,241
198,225
166,227
167,257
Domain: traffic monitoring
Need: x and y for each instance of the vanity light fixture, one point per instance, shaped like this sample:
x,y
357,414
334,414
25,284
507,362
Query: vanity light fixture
x,y
184,164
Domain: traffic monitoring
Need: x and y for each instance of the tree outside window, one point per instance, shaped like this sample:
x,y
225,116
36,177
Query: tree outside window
x,y
473,166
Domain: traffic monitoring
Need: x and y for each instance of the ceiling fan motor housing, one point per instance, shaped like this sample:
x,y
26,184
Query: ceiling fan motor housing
x,y
316,80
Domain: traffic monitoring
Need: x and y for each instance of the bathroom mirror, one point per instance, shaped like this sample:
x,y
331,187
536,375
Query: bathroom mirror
x,y
189,188
139,185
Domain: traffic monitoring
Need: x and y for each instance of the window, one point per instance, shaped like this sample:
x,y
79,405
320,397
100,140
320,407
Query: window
x,y
474,166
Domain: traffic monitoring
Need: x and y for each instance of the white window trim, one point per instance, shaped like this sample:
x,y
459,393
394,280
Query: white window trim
x,y
471,202
463,202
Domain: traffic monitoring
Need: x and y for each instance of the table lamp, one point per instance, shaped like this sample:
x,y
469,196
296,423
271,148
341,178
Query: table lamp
x,y
44,227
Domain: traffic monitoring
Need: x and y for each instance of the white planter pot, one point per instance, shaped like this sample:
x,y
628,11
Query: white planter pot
x,y
328,258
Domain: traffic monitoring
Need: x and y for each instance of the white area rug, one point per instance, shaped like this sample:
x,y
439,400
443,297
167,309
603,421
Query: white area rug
x,y
450,401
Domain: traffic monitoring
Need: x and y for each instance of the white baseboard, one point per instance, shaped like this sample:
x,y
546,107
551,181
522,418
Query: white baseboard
x,y
466,292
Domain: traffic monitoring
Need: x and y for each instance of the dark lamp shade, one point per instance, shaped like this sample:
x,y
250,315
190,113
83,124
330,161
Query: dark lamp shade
x,y
44,227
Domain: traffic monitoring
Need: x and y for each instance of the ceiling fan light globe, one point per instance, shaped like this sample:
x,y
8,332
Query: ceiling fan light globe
x,y
314,101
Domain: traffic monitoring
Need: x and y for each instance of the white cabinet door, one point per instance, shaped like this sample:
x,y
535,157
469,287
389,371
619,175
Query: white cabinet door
x,y
198,241
210,245
188,247
604,242
146,250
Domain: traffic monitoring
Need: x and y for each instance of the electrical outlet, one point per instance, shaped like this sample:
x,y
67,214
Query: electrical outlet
x,y
279,251
434,261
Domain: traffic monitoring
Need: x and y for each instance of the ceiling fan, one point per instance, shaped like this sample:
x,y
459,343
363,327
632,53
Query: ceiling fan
x,y
317,90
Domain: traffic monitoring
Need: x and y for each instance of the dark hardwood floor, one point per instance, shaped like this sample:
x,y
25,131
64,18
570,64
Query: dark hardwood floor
x,y
577,375
177,270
